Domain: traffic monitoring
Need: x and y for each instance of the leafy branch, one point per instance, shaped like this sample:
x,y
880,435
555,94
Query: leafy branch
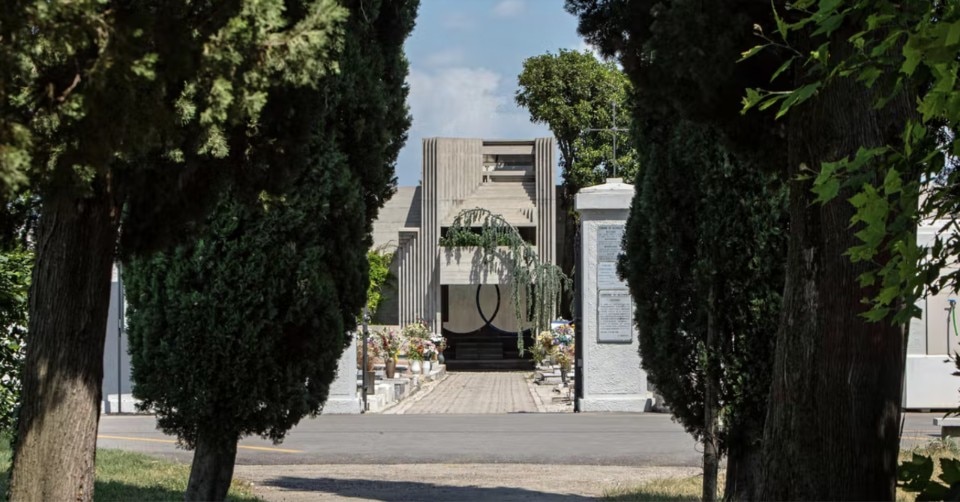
x,y
895,47
535,287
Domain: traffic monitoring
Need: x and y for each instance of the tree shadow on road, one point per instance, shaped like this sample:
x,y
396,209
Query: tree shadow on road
x,y
397,491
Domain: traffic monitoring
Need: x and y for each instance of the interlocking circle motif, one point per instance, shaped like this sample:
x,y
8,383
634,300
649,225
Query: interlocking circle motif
x,y
488,322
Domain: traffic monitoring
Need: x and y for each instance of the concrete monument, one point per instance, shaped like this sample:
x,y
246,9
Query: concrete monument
x,y
611,373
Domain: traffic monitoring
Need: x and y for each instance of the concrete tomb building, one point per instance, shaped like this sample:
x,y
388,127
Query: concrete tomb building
x,y
469,303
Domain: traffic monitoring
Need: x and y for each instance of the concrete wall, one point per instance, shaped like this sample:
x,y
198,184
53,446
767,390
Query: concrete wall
x,y
465,265
928,377
462,308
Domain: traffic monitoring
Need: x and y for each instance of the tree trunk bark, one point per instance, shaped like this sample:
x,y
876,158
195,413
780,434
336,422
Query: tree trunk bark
x,y
711,457
744,462
63,371
212,468
831,431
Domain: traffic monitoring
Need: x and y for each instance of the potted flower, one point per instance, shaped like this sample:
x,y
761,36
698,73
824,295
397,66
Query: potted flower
x,y
441,344
542,348
389,344
418,329
419,351
563,343
429,351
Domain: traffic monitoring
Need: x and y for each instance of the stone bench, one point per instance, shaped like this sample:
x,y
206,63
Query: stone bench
x,y
949,426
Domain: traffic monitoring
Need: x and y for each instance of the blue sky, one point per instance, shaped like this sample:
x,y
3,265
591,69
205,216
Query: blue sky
x,y
465,56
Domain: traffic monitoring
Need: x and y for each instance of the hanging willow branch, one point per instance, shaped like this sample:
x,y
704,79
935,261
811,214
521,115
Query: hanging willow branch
x,y
535,287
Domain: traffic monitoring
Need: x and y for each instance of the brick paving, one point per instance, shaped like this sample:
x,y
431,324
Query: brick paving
x,y
474,393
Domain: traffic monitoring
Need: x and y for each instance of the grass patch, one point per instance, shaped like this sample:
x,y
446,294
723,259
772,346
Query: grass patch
x,y
124,476
681,489
936,449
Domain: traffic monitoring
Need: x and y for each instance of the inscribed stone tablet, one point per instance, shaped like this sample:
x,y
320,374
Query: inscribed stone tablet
x,y
609,238
614,317
607,276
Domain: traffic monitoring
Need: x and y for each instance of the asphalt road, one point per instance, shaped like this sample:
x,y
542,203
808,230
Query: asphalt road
x,y
561,457
541,438
522,438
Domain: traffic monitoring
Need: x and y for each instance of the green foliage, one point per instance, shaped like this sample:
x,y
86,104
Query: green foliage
x,y
259,294
691,77
535,287
87,86
378,262
418,330
240,332
709,212
467,237
703,218
15,268
571,92
898,48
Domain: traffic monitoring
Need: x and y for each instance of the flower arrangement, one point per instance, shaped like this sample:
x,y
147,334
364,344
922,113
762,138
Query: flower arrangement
x,y
439,341
542,347
563,335
418,329
564,357
388,344
419,349
558,344
564,347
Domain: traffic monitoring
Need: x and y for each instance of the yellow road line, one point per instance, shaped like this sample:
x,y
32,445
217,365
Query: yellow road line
x,y
170,441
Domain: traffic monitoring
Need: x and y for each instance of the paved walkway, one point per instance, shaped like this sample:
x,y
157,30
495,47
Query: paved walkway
x,y
473,393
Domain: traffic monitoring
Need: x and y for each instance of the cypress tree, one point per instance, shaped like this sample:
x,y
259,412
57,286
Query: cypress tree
x,y
142,109
240,331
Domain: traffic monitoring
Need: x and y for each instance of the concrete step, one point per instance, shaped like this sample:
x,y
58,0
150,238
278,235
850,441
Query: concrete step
x,y
490,365
478,350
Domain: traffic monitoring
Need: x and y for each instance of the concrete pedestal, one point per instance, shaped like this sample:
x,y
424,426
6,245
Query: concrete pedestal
x,y
612,378
344,398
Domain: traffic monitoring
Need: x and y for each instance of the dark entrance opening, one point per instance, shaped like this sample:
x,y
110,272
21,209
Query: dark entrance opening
x,y
487,347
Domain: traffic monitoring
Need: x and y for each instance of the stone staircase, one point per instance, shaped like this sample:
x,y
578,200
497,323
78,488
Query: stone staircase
x,y
485,352
513,201
479,350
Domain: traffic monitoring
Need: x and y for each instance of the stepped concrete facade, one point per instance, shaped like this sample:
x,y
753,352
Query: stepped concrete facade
x,y
446,287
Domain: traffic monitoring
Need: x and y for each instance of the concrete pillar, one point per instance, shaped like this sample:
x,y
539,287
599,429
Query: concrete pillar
x,y
612,377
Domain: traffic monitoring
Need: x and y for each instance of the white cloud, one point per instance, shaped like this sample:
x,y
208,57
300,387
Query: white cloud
x,y
457,21
460,102
446,57
509,8
455,102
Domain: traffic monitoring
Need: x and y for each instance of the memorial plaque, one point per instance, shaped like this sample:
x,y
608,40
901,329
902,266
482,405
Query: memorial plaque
x,y
614,316
609,239
607,276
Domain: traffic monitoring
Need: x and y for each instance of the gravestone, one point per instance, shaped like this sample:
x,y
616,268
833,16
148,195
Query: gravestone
x,y
344,397
612,377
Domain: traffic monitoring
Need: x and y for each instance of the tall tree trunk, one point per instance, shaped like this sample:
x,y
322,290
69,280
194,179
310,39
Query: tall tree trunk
x,y
832,421
744,461
711,457
212,468
63,372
